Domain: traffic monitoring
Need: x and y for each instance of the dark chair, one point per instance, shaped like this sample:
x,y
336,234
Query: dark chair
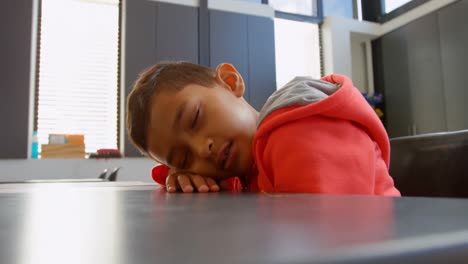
x,y
433,165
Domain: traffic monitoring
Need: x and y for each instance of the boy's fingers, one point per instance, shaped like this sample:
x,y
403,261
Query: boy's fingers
x,y
199,183
171,183
187,183
184,183
212,184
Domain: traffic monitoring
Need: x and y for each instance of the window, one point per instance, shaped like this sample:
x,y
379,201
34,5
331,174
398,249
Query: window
x,y
297,50
391,5
78,71
297,39
301,7
341,8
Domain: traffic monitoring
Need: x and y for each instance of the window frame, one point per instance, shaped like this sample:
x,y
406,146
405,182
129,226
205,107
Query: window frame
x,y
119,146
307,19
375,12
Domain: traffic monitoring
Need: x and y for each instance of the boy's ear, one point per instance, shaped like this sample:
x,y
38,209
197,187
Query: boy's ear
x,y
227,74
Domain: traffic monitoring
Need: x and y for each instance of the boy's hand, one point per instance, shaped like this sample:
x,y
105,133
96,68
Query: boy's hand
x,y
189,182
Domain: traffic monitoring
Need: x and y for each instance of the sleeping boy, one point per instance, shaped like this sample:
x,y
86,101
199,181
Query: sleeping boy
x,y
311,136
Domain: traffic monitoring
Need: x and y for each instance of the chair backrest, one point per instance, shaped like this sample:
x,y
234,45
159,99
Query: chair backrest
x,y
431,165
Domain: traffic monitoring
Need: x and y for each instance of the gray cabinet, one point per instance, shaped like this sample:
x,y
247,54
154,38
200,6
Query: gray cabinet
x,y
228,43
396,84
425,79
140,39
453,21
176,32
262,66
157,31
425,75
247,42
15,52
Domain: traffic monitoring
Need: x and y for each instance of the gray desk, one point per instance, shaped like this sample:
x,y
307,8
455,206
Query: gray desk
x,y
119,223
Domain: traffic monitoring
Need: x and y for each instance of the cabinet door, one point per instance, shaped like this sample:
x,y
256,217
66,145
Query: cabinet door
x,y
454,42
425,75
140,41
228,43
176,32
15,26
261,44
140,51
396,83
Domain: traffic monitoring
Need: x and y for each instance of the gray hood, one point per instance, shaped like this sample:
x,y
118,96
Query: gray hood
x,y
299,91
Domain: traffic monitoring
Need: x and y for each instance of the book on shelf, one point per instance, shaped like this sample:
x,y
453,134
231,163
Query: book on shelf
x,y
64,146
63,151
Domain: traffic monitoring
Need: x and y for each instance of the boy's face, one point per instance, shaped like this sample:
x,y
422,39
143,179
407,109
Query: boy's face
x,y
204,130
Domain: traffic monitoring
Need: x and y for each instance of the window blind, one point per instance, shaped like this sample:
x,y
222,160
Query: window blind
x,y
78,71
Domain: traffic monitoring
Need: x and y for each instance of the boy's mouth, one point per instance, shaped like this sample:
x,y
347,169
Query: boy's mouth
x,y
224,159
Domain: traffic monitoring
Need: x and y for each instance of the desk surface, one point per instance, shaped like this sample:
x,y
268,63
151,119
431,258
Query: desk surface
x,y
117,223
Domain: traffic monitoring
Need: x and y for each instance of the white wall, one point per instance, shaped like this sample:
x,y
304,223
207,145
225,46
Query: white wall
x,y
358,63
337,33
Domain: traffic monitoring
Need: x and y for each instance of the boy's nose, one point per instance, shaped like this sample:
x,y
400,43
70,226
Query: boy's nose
x,y
206,148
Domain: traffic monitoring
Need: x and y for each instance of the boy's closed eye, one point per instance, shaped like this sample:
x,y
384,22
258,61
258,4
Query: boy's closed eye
x,y
195,118
184,162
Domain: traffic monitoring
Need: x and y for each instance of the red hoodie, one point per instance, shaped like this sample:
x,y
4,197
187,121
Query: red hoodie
x,y
336,145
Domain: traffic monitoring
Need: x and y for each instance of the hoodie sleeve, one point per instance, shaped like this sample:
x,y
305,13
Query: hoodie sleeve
x,y
335,156
336,145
